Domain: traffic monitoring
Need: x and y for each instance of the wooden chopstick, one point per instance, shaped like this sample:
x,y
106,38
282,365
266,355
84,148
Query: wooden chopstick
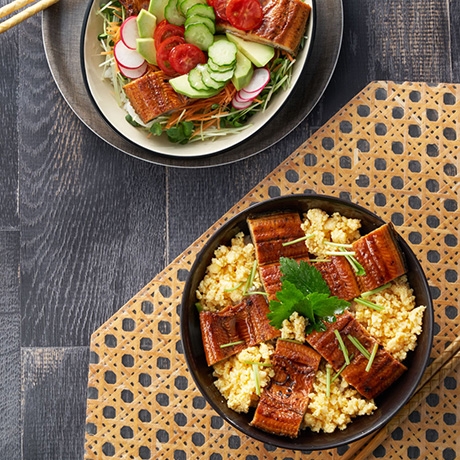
x,y
22,15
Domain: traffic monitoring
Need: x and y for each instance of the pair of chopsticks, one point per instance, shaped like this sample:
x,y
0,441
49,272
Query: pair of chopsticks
x,y
22,15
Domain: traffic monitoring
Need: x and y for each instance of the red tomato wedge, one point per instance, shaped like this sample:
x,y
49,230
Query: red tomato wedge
x,y
220,7
244,14
186,57
165,30
163,53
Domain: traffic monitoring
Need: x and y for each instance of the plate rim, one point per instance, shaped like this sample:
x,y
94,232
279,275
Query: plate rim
x,y
62,42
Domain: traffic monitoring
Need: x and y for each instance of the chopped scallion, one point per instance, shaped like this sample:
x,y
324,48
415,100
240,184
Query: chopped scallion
x,y
338,245
368,303
231,344
328,381
255,370
254,363
376,290
199,307
250,280
359,346
298,240
335,376
342,346
372,357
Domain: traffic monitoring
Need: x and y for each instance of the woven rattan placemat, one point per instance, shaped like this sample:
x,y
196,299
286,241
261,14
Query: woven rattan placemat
x,y
394,148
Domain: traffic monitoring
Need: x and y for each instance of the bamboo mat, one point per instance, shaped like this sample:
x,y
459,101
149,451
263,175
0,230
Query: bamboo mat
x,y
394,148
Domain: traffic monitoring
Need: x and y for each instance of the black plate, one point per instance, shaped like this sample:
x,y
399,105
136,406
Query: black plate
x,y
62,25
388,403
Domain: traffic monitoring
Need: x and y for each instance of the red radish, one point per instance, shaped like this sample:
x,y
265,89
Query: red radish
x,y
242,97
127,57
240,105
134,73
245,96
129,32
259,80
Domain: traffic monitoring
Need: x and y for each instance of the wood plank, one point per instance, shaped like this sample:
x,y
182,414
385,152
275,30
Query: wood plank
x,y
9,57
93,219
54,402
10,386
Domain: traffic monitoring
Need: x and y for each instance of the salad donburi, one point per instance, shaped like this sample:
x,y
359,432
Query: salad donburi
x,y
199,69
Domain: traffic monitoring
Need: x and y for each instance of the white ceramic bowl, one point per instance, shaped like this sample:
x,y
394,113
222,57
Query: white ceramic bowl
x,y
101,92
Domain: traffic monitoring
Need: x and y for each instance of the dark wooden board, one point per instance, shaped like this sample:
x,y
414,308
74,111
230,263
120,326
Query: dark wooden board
x,y
94,225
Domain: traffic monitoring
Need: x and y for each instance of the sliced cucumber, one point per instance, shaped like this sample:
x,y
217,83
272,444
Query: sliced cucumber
x,y
173,15
199,34
223,53
185,5
195,78
219,68
197,19
208,80
221,77
182,86
201,9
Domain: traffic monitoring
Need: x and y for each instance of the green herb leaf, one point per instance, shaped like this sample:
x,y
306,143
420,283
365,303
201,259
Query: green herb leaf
x,y
304,276
304,290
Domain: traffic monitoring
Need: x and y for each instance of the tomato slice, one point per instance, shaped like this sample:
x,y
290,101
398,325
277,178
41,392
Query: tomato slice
x,y
163,52
244,14
186,57
220,7
165,30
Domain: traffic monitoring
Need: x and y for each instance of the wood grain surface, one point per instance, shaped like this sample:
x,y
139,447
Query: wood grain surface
x,y
81,222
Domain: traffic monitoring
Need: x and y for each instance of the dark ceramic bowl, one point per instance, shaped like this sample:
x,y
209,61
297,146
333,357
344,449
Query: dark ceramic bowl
x,y
388,403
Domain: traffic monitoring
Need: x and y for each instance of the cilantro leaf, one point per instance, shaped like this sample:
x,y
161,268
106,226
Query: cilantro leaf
x,y
304,290
306,277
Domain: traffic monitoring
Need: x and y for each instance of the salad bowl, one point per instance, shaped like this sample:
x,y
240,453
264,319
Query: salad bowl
x,y
101,93
388,403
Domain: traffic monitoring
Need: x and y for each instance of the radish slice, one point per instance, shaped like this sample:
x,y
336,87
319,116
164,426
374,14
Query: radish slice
x,y
243,97
259,80
240,105
129,32
127,57
134,73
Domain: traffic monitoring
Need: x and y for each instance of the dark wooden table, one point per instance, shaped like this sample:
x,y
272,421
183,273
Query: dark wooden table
x,y
81,221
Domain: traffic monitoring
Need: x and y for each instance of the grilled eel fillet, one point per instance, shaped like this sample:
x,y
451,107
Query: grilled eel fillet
x,y
246,322
284,401
385,369
379,253
134,6
152,95
268,233
283,25
340,277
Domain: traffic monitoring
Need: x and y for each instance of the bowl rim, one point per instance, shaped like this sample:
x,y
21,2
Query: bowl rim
x,y
279,441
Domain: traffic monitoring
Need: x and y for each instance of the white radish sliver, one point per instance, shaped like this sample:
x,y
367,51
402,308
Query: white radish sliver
x,y
127,57
129,32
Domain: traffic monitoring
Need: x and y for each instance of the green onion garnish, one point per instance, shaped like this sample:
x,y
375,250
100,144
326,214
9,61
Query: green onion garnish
x,y
255,363
233,288
328,381
368,303
251,277
376,290
199,307
344,365
231,344
359,346
255,370
349,255
372,357
342,346
298,240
